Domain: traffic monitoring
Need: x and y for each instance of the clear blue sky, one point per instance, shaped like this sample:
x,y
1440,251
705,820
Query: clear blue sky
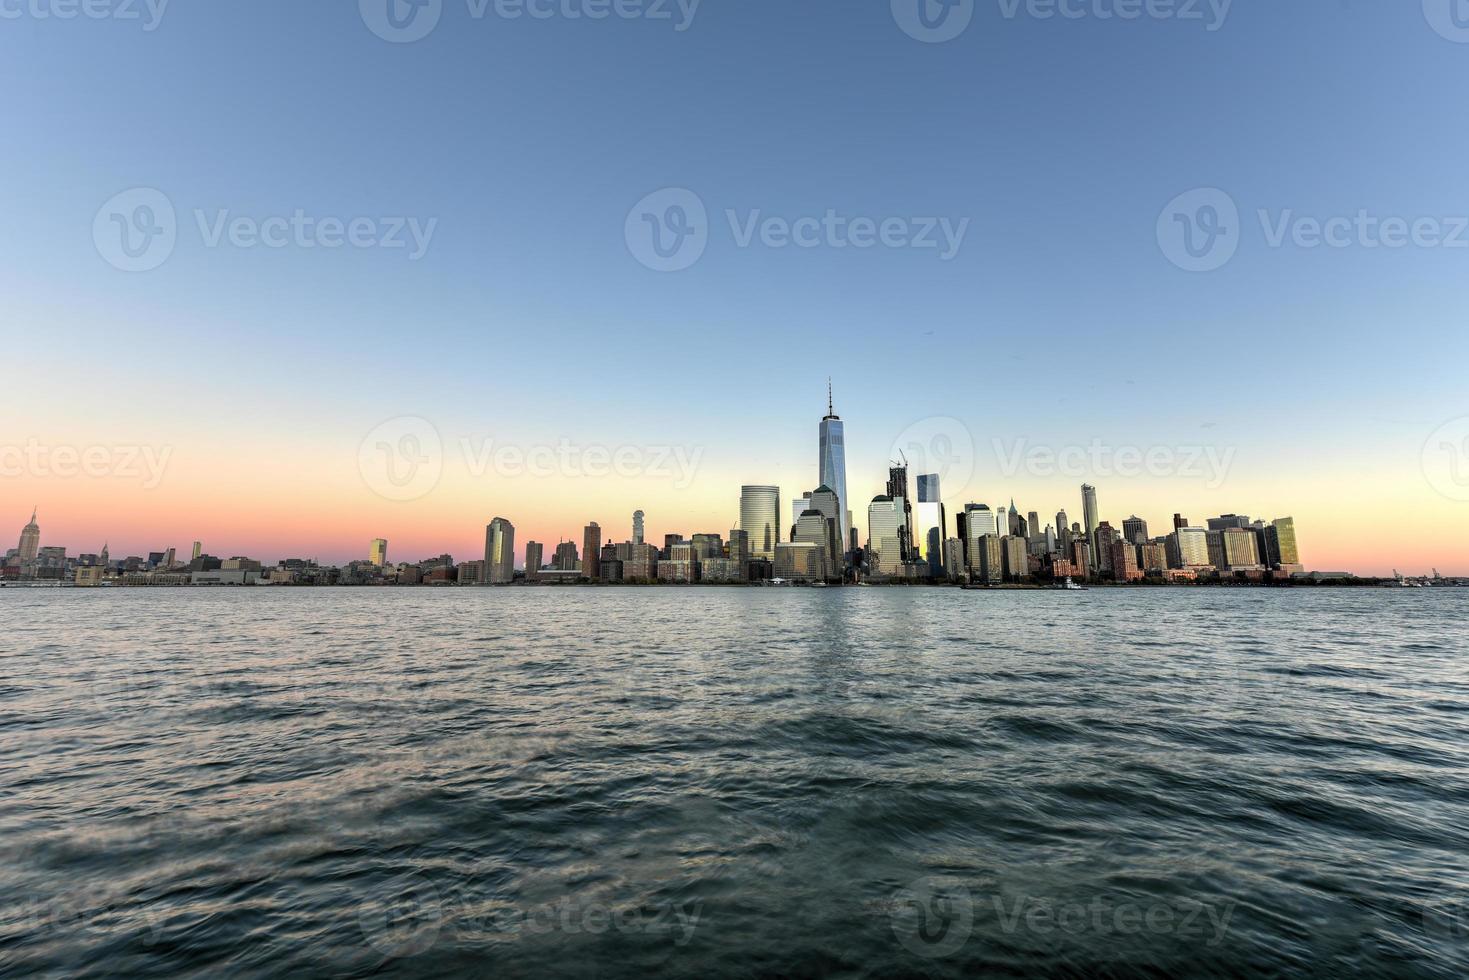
x,y
529,140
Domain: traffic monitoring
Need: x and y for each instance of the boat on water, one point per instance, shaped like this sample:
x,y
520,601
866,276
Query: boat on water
x,y
1071,586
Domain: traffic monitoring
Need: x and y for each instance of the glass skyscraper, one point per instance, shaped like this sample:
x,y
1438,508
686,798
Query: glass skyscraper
x,y
930,523
833,468
760,519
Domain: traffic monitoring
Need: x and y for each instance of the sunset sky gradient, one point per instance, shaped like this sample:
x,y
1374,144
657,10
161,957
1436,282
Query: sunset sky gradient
x,y
1322,372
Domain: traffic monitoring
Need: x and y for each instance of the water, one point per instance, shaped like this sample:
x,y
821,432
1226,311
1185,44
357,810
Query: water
x,y
734,782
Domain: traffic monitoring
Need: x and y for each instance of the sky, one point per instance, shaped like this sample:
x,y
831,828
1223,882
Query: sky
x,y
287,277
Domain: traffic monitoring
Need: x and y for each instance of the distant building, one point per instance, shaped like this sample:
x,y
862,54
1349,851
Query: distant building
x,y
1014,557
723,570
1104,535
886,533
986,559
565,559
929,524
1135,530
800,561
832,470
30,541
1089,518
1281,549
760,519
591,551
533,561
1123,563
499,552
637,527
377,552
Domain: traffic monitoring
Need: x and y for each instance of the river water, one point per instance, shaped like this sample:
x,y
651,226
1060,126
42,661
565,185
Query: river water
x,y
734,782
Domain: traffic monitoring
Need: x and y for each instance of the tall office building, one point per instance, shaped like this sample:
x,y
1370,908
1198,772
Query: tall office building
x,y
499,552
1034,522
1135,530
591,552
898,490
565,558
637,527
1104,537
30,540
760,519
1188,547
1228,521
930,524
1179,521
739,545
832,471
378,552
979,523
198,550
1281,537
825,502
1089,515
886,534
533,560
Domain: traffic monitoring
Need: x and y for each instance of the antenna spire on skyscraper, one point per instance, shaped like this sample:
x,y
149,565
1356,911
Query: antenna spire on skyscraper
x,y
829,409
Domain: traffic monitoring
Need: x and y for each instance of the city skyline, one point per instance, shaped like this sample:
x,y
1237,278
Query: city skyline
x,y
933,504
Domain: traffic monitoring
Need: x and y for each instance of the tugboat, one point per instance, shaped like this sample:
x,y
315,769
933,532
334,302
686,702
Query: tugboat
x,y
1071,586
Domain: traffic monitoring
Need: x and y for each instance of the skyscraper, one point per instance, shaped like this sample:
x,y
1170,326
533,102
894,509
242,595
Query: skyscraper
x,y
1281,536
533,560
1089,515
885,534
198,549
30,540
637,527
826,503
898,491
832,471
760,519
1135,530
377,552
499,552
930,523
591,552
